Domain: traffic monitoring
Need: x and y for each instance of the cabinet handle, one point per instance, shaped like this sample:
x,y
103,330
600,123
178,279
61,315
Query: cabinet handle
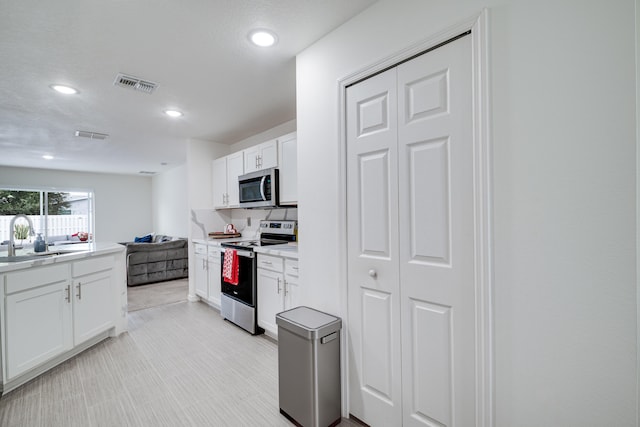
x,y
79,291
67,297
267,262
278,286
285,287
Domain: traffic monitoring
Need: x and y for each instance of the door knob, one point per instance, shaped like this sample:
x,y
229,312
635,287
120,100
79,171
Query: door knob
x,y
373,273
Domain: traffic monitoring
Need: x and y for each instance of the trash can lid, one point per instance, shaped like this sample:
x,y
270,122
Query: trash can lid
x,y
308,322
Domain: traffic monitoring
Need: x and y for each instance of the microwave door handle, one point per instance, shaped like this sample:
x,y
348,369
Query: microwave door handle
x,y
262,181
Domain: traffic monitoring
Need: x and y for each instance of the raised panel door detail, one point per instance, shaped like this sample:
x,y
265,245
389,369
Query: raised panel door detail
x,y
427,96
436,193
429,201
431,353
375,386
377,372
374,204
373,114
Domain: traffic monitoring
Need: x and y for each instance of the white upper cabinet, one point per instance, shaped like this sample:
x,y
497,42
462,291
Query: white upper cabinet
x,y
279,153
225,173
234,170
288,151
219,184
262,156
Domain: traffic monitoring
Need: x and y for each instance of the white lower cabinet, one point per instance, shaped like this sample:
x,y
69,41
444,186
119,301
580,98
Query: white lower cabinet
x,y
200,271
214,266
38,325
93,298
277,289
49,310
207,273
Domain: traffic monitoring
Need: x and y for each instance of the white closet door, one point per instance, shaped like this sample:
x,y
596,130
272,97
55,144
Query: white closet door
x,y
410,243
437,237
372,205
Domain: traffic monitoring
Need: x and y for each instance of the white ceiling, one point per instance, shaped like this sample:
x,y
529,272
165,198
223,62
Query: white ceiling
x,y
197,52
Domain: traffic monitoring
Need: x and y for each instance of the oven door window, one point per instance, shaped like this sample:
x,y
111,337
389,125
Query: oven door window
x,y
244,290
251,189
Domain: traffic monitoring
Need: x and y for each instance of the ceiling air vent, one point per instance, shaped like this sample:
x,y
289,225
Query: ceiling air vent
x,y
91,135
146,173
135,83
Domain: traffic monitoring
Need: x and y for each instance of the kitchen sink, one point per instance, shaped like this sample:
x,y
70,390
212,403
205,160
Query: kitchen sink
x,y
18,258
34,256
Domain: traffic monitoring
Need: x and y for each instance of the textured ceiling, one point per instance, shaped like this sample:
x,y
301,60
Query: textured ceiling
x,y
197,52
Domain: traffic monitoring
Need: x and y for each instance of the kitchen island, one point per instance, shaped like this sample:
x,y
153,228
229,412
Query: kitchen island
x,y
58,304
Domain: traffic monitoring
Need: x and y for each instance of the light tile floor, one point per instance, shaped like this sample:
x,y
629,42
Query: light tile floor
x,y
179,365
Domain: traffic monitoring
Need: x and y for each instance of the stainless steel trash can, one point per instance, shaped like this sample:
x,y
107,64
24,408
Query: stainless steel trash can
x,y
309,366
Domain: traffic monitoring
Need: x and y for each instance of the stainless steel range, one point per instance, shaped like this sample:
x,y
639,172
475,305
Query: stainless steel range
x,y
239,301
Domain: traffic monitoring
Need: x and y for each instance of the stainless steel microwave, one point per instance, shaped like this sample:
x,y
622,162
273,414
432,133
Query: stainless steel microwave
x,y
259,189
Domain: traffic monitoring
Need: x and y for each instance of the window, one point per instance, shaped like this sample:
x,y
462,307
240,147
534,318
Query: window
x,y
61,217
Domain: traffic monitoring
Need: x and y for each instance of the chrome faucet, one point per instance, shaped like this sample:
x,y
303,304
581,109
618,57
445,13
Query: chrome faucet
x,y
12,249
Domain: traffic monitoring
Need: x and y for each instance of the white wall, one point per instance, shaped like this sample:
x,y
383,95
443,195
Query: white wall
x,y
122,202
274,132
170,205
563,104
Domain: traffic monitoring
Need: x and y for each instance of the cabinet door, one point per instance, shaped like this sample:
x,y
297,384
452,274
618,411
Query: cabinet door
x,y
38,326
251,158
93,305
270,300
268,155
215,272
288,169
235,168
291,292
200,275
219,182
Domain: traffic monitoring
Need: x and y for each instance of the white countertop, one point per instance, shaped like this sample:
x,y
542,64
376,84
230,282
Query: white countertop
x,y
285,250
218,242
70,253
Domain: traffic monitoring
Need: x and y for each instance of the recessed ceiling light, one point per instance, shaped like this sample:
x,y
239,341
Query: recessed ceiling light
x,y
173,113
67,90
263,38
47,157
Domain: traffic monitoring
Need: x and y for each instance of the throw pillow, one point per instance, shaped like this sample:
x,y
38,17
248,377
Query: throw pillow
x,y
143,239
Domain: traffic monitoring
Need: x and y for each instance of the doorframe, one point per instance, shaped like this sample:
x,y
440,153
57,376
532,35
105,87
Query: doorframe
x,y
483,202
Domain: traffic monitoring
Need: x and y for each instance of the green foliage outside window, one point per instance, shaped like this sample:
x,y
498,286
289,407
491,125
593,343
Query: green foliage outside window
x,y
28,203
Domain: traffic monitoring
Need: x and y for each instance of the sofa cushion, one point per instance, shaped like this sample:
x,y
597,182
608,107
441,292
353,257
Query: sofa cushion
x,y
155,262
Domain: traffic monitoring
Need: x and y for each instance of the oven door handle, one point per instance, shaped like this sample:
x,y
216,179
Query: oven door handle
x,y
246,254
262,182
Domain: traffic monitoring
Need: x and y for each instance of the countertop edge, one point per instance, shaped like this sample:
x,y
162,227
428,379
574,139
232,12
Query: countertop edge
x,y
92,249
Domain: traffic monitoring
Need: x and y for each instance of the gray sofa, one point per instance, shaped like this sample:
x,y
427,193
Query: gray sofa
x,y
165,258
